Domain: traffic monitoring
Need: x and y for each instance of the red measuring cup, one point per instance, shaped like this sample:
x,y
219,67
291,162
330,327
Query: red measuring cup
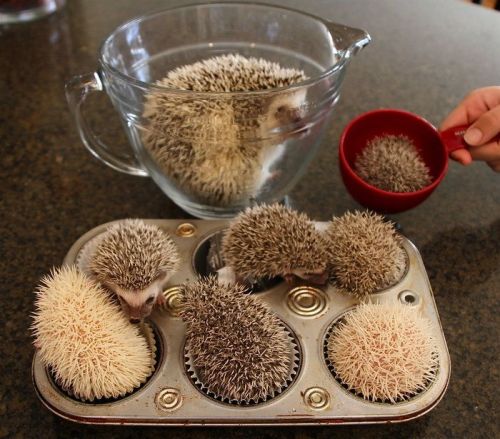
x,y
432,145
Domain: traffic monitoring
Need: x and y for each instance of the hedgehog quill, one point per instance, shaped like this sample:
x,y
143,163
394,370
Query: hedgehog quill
x,y
272,240
365,253
221,148
392,163
86,340
135,260
253,352
385,352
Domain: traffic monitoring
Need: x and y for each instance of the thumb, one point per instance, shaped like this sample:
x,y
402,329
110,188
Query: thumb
x,y
485,128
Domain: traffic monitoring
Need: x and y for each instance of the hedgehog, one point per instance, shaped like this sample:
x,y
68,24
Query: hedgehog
x,y
221,148
365,253
85,340
392,163
134,260
384,352
237,347
273,240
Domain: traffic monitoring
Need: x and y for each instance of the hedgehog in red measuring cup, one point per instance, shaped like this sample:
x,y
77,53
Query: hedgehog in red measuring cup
x,y
392,163
134,260
268,241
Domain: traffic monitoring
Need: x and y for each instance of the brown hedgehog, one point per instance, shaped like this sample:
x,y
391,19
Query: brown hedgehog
x,y
238,348
220,148
135,260
272,240
365,253
392,163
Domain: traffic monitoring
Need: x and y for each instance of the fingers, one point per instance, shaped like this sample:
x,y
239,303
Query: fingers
x,y
472,107
481,110
457,117
485,128
486,153
462,156
489,153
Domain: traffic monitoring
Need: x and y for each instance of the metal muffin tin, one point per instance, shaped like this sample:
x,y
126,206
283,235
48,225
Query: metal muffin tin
x,y
170,397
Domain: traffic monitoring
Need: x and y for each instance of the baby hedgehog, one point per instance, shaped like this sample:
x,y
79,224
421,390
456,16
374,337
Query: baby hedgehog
x,y
272,240
86,340
385,352
221,148
134,260
365,253
392,163
238,349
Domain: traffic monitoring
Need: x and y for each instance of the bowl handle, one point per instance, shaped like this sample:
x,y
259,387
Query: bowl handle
x,y
348,40
453,138
77,91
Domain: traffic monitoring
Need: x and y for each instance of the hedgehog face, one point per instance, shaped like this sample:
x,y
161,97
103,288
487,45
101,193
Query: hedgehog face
x,y
138,304
274,240
133,259
317,276
284,110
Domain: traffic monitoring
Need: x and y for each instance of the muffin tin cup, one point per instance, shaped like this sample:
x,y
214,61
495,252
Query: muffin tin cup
x,y
368,298
206,388
314,397
148,333
82,260
359,394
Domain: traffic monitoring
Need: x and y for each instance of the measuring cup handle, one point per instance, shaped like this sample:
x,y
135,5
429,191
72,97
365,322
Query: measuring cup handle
x,y
453,138
77,91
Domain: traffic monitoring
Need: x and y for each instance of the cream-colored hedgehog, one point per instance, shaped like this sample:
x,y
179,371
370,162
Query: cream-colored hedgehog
x,y
365,253
134,260
272,240
86,340
238,348
221,148
384,352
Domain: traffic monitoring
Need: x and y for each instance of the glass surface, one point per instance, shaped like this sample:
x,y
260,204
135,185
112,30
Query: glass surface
x,y
198,164
14,11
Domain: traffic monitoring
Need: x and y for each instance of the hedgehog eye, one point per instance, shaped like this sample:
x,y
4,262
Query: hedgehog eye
x,y
150,300
281,109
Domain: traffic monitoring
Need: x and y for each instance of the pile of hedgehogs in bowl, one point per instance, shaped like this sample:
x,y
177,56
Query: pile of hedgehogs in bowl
x,y
89,319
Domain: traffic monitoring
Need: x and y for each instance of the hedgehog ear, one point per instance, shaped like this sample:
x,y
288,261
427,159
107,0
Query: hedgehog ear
x,y
110,286
162,277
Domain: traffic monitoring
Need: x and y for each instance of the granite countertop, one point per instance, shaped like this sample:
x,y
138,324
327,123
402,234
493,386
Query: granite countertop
x,y
425,57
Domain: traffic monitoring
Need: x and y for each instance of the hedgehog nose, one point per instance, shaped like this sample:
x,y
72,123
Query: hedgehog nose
x,y
133,320
296,115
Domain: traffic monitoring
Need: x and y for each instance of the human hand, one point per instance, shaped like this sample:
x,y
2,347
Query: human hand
x,y
481,110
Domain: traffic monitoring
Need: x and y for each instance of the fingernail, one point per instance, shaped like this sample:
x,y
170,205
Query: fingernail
x,y
473,136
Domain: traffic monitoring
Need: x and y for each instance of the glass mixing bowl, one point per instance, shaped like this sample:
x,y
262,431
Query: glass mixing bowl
x,y
202,158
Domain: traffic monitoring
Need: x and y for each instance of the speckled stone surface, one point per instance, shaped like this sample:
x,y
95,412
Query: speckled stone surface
x,y
425,56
